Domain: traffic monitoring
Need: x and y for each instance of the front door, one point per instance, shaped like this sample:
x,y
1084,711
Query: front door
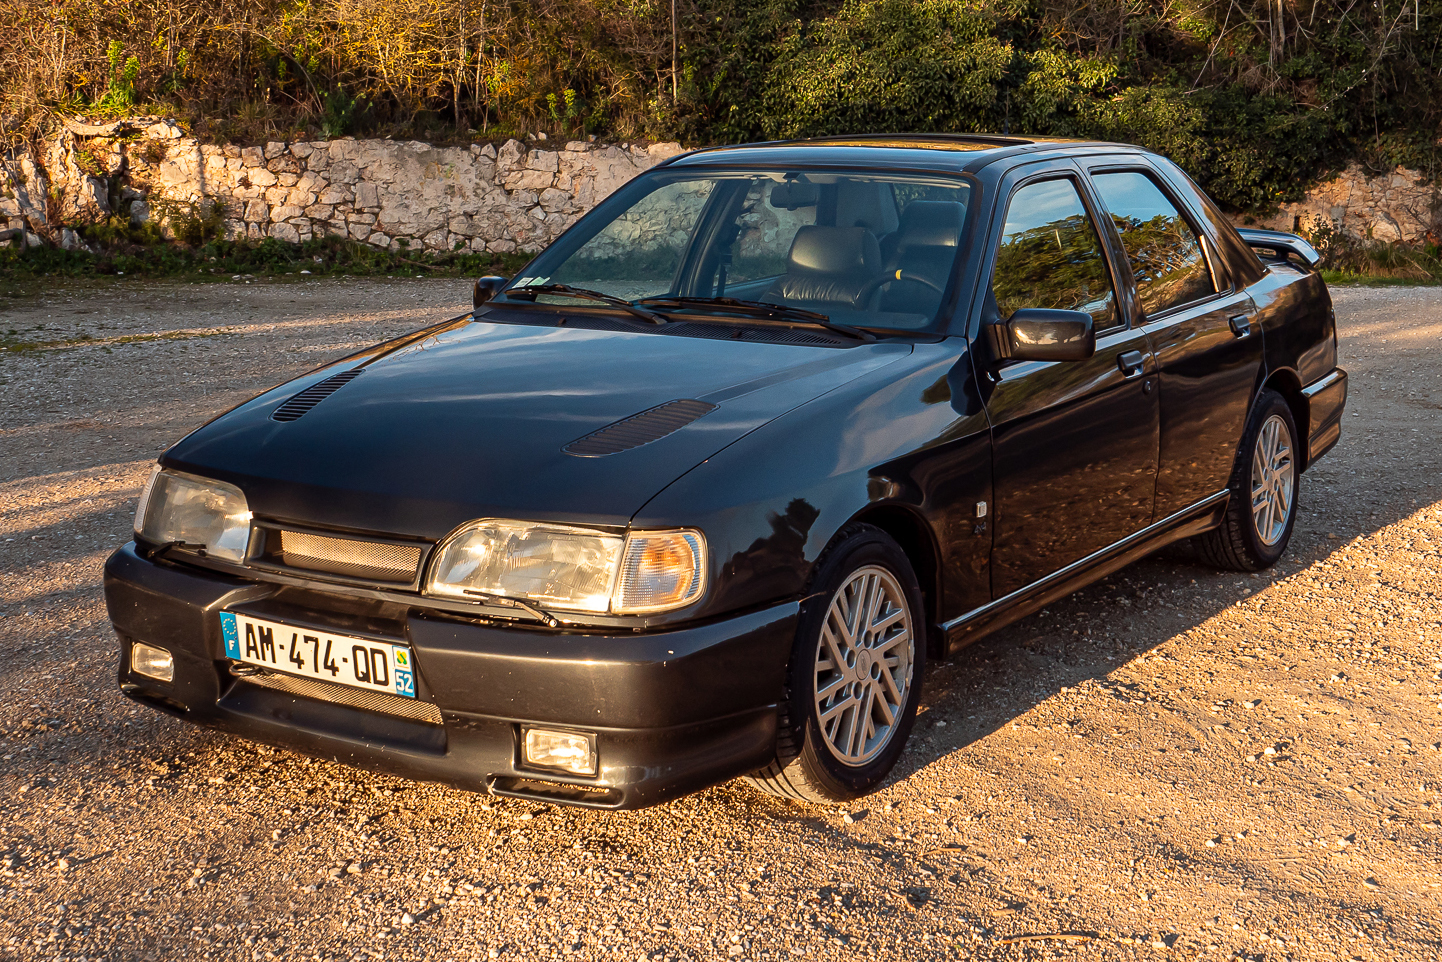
x,y
1074,443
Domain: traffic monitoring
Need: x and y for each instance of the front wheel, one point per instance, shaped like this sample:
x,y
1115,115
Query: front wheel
x,y
855,674
1264,485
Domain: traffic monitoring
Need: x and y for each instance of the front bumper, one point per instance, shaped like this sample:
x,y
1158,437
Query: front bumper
x,y
672,712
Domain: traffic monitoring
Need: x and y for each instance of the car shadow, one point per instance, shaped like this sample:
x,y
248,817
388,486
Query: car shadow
x,y
1090,634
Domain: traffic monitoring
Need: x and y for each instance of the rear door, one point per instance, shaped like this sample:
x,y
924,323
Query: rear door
x,y
1074,442
1207,344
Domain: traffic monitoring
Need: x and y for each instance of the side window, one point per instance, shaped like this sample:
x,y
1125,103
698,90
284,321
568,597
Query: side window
x,y
1165,254
1051,255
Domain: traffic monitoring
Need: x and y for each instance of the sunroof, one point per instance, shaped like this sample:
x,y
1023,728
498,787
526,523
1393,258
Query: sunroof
x,y
919,143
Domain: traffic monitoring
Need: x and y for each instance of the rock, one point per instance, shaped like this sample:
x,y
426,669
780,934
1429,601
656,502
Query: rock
x,y
553,200
285,232
260,177
93,198
139,212
366,195
274,150
70,241
252,157
408,919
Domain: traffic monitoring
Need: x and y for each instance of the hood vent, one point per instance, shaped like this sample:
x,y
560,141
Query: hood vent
x,y
297,406
639,429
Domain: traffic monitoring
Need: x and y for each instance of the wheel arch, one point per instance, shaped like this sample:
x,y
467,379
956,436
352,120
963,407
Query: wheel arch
x,y
1286,383
918,542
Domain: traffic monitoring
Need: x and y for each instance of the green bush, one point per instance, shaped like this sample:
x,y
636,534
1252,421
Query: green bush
x,y
1257,99
222,258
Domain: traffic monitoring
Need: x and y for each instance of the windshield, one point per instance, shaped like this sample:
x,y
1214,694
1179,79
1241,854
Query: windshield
x,y
862,249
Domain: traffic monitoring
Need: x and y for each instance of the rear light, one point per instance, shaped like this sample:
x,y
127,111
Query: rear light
x,y
152,662
572,752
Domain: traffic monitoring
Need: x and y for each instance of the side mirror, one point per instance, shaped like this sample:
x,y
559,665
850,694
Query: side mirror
x,y
1040,334
487,288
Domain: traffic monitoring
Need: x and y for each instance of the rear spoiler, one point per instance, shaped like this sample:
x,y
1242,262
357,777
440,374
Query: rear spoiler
x,y
1280,248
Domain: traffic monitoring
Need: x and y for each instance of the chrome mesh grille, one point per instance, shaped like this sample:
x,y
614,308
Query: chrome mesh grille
x,y
394,563
422,711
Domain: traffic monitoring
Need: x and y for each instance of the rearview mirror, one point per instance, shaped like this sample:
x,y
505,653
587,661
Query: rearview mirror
x,y
1041,334
794,195
487,288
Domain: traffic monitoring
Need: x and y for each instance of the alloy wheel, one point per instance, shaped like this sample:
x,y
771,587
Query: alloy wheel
x,y
864,665
1273,481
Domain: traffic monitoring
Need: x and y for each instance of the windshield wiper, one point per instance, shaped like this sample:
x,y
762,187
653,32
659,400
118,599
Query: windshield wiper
x,y
161,549
502,601
529,294
761,309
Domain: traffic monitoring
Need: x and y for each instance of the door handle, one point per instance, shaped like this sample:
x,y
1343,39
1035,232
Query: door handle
x,y
1131,364
1241,325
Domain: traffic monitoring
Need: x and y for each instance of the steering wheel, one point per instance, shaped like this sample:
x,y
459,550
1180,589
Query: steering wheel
x,y
875,284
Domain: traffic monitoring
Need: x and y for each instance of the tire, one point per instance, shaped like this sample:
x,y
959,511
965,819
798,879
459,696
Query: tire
x,y
1265,484
832,760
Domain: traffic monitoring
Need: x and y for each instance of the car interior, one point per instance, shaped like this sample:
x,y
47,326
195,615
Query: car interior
x,y
870,258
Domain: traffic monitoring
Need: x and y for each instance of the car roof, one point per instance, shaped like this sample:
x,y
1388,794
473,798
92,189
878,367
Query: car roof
x,y
948,152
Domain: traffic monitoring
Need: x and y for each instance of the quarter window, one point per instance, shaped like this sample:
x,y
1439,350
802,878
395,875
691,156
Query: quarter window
x,y
1051,255
1165,254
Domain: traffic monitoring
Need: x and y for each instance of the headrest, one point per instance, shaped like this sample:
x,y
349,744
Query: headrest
x,y
834,250
930,223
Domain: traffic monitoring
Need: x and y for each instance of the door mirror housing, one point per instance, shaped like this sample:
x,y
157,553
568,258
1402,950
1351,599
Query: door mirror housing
x,y
487,288
1042,334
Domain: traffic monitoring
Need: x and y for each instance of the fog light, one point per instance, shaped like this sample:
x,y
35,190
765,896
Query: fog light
x,y
152,662
573,752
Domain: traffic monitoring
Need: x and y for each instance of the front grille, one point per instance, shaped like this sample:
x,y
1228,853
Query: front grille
x,y
376,561
376,701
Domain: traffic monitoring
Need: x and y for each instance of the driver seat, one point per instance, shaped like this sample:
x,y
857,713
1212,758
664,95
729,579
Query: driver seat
x,y
925,244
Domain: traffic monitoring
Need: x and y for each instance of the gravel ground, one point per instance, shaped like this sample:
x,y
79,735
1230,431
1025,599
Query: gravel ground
x,y
1173,763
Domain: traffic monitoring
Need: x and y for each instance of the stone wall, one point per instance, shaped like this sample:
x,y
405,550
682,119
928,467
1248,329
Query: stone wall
x,y
386,193
478,198
1402,205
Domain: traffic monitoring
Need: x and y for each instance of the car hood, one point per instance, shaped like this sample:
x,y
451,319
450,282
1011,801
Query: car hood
x,y
470,421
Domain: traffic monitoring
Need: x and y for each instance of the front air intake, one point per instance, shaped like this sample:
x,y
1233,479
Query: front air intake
x,y
299,405
638,429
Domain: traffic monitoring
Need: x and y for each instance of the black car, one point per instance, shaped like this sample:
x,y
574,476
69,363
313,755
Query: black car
x,y
698,493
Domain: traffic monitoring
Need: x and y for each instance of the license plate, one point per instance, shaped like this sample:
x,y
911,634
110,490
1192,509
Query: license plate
x,y
342,659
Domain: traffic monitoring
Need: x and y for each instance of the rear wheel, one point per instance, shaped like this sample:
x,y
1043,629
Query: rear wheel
x,y
1264,486
855,674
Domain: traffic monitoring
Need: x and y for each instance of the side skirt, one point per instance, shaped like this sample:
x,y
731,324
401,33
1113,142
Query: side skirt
x,y
1202,516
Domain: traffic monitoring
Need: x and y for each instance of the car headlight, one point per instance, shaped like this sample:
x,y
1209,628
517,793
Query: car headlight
x,y
196,512
571,569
